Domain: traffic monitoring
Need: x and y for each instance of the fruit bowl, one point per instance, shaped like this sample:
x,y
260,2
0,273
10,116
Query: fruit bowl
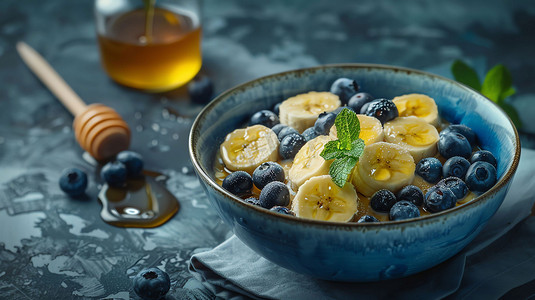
x,y
355,251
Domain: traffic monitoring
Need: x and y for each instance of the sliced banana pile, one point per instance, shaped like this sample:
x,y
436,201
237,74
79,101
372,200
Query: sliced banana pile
x,y
387,162
319,198
247,148
301,111
371,130
383,166
414,134
418,105
308,162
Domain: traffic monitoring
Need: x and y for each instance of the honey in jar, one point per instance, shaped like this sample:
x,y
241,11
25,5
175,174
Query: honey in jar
x,y
153,49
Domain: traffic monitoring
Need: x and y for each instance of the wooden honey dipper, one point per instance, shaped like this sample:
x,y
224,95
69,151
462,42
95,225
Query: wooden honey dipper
x,y
99,129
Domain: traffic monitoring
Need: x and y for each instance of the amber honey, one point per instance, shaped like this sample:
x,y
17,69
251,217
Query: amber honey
x,y
155,52
143,203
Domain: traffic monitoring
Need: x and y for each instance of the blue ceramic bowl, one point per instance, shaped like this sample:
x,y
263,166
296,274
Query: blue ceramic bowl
x,y
352,251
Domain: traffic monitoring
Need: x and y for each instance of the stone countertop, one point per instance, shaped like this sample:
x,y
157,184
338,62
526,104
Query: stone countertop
x,y
52,246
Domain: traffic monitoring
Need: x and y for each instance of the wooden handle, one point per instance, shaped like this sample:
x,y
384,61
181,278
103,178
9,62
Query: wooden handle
x,y
51,79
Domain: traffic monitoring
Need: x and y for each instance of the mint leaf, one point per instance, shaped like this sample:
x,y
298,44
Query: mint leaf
x,y
497,82
346,150
357,147
497,86
341,168
332,150
347,128
513,114
465,74
508,93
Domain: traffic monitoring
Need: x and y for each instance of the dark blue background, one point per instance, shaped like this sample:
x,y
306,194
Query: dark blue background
x,y
55,247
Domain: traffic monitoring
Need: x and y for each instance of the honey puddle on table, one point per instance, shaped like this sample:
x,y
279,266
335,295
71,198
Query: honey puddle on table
x,y
143,202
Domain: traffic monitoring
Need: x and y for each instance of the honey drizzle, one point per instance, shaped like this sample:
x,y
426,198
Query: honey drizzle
x,y
143,203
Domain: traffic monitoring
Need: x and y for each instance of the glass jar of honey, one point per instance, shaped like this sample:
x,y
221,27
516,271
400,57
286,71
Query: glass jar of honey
x,y
153,45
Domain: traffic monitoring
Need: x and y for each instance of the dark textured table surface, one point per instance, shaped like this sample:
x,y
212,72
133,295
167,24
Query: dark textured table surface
x,y
52,246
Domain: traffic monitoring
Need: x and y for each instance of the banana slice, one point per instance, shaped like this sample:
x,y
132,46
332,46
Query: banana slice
x,y
383,166
371,130
308,162
319,198
301,111
418,105
414,134
247,148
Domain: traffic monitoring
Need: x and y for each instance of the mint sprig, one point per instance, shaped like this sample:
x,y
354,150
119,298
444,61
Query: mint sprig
x,y
346,150
497,85
465,74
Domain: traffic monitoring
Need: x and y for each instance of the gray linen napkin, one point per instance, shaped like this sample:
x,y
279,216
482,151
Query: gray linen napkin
x,y
501,258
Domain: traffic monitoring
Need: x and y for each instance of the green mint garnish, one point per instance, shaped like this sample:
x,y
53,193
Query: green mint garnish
x,y
347,149
497,85
465,74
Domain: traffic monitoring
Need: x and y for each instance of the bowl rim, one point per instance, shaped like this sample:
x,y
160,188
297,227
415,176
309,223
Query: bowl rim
x,y
347,225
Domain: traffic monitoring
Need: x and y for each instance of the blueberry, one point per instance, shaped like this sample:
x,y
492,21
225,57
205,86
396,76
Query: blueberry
x,y
367,219
439,198
481,176
276,108
382,200
290,145
309,134
344,88
114,173
358,100
455,166
73,182
430,169
324,123
282,210
133,162
286,131
404,210
384,110
429,190
266,173
277,128
468,133
364,107
456,185
454,144
484,155
238,183
151,283
412,194
201,89
264,117
252,200
274,194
